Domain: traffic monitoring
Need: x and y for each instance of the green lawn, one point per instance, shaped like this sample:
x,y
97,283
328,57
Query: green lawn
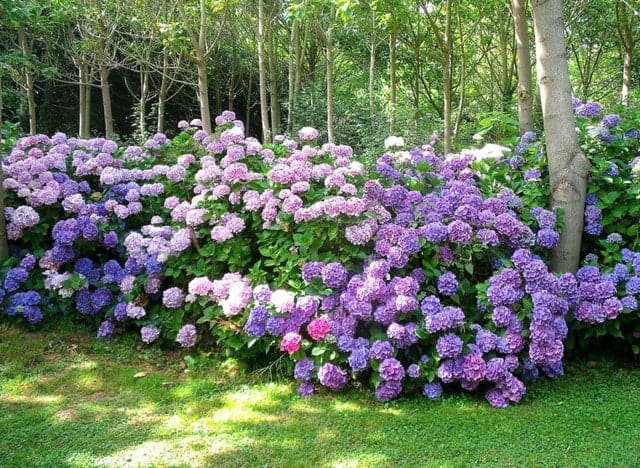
x,y
70,400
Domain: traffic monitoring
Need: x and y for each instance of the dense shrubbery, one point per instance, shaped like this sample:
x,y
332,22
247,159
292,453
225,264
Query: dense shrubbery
x,y
425,270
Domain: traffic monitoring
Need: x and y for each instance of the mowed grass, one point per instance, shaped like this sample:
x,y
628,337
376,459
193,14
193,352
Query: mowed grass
x,y
69,400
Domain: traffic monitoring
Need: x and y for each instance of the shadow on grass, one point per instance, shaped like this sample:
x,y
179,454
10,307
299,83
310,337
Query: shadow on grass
x,y
87,409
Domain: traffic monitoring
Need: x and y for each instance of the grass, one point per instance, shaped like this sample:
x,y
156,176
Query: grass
x,y
69,400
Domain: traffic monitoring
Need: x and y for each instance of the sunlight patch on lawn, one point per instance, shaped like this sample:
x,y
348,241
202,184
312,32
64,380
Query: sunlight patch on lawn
x,y
32,400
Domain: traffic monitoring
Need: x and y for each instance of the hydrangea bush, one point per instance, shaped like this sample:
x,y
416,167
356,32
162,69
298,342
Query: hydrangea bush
x,y
422,273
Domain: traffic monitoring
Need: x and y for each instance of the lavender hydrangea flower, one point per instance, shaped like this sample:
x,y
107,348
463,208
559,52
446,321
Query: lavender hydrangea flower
x,y
187,336
149,334
172,298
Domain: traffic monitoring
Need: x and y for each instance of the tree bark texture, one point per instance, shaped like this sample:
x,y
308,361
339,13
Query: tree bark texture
x,y
568,166
523,65
106,101
262,76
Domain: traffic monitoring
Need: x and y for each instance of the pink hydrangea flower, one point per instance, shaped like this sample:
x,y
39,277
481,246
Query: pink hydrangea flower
x,y
290,342
319,327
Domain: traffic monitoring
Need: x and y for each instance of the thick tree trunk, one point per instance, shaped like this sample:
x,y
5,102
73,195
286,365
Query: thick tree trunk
x,y
568,166
262,74
523,65
106,101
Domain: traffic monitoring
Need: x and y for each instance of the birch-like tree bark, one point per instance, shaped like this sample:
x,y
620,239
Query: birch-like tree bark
x,y
262,75
568,166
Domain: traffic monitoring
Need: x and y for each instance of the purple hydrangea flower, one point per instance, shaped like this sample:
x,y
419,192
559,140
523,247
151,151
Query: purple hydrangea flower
x,y
432,391
447,284
187,336
391,370
388,390
149,334
332,376
449,345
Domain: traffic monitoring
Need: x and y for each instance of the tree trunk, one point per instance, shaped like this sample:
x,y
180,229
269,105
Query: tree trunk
x,y
87,104
523,64
264,111
106,101
163,92
82,98
4,245
329,57
372,71
463,77
28,84
568,167
447,80
625,23
294,48
144,91
203,95
201,63
273,81
393,87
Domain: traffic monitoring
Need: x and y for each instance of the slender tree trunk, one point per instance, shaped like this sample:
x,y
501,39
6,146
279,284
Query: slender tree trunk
x,y
447,80
273,81
523,65
163,92
203,94
294,44
106,101
372,70
247,110
264,111
82,97
203,79
1,108
329,50
625,32
28,84
144,92
393,86
4,242
4,245
87,104
463,78
568,167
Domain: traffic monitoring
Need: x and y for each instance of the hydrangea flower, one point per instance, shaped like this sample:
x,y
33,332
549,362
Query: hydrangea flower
x,y
187,336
